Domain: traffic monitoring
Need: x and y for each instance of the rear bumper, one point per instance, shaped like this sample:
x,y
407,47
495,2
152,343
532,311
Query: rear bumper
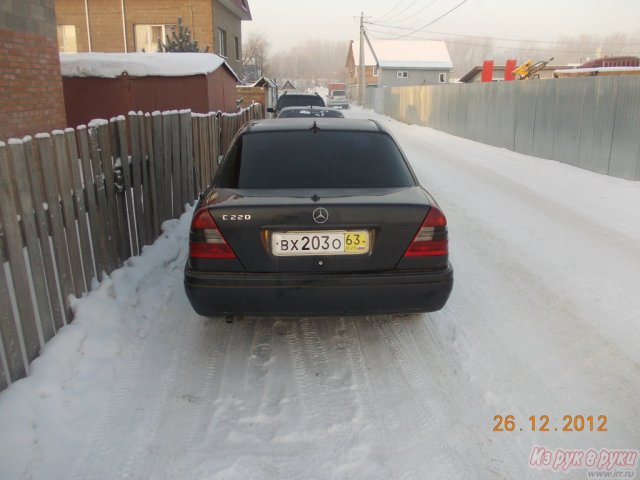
x,y
318,294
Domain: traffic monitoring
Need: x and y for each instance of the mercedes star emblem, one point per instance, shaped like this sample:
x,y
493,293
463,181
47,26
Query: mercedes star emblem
x,y
320,215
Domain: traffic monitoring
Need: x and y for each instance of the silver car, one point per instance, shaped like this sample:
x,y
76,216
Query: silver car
x,y
338,99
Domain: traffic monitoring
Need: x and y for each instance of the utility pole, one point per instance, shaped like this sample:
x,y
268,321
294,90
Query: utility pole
x,y
361,77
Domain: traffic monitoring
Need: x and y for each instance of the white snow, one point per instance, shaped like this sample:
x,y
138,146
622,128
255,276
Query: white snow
x,y
112,65
543,320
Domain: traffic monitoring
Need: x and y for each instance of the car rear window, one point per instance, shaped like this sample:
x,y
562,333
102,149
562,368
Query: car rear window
x,y
325,159
306,113
300,101
339,93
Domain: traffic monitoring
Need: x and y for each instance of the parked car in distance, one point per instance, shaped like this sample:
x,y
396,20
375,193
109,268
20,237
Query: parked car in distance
x,y
307,112
316,216
338,99
297,100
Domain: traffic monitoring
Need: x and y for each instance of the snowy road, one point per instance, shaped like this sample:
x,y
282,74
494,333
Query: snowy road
x,y
543,320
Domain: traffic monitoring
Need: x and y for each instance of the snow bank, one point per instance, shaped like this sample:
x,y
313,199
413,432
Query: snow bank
x,y
112,65
75,374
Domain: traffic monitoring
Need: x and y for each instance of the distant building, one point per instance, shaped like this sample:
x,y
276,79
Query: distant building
x,y
287,86
401,63
475,74
603,66
32,99
263,91
137,25
104,85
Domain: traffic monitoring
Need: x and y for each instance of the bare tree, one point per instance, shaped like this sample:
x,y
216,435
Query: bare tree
x,y
255,55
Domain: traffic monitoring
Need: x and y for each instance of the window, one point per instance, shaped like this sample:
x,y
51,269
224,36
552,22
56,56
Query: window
x,y
375,71
442,78
237,45
325,159
148,36
401,74
67,39
222,42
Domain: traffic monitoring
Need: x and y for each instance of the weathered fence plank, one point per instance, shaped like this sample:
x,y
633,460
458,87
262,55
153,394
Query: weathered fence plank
x,y
75,176
69,218
153,191
107,241
136,179
106,162
38,195
14,245
120,157
158,160
186,141
120,125
176,175
20,177
146,183
16,367
96,227
65,276
168,172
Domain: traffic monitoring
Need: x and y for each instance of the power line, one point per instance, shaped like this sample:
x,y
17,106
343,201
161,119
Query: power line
x,y
434,21
402,11
414,13
501,47
493,38
390,10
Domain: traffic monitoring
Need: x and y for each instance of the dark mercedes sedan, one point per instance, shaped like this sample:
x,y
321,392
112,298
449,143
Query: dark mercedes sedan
x,y
317,217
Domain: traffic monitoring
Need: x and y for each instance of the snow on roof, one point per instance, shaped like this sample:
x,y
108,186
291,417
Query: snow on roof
x,y
111,65
597,70
405,54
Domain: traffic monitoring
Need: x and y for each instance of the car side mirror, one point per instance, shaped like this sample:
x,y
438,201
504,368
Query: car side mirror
x,y
271,110
220,158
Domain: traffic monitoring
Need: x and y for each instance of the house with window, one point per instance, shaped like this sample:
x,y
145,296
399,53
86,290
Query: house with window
x,y
137,25
391,63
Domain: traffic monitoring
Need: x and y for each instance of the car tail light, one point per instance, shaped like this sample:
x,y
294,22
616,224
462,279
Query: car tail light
x,y
431,239
205,239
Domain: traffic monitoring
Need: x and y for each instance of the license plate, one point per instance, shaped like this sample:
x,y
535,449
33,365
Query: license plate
x,y
335,242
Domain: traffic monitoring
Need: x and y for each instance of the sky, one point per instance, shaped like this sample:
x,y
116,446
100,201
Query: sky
x,y
285,22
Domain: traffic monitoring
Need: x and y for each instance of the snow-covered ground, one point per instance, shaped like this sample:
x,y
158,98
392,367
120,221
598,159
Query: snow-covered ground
x,y
544,319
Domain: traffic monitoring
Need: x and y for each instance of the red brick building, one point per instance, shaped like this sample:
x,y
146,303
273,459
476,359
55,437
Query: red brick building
x,y
137,25
30,78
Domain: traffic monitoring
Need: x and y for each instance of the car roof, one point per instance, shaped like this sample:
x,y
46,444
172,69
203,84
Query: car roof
x,y
307,107
301,124
300,94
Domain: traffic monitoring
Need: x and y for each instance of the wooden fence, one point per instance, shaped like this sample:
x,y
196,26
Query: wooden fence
x,y
75,204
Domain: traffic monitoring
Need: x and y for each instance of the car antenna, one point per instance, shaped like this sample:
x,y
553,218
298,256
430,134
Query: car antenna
x,y
315,128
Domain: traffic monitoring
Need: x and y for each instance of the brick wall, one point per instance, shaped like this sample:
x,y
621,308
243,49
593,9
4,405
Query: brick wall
x,y
106,21
30,79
